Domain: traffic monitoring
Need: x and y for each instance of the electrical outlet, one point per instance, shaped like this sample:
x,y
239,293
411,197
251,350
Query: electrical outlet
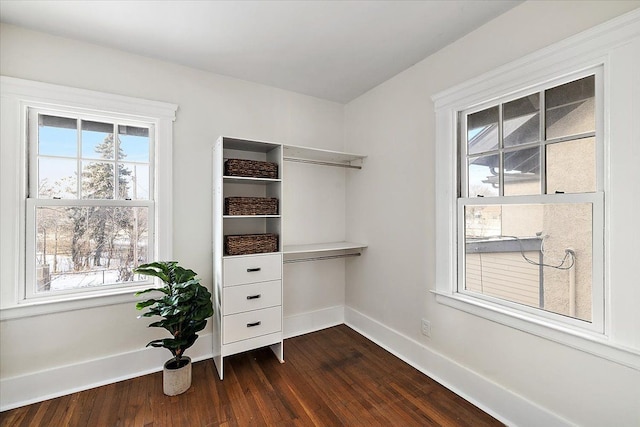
x,y
426,328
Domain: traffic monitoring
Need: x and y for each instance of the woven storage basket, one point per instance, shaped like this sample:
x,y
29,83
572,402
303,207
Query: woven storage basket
x,y
250,206
250,168
243,244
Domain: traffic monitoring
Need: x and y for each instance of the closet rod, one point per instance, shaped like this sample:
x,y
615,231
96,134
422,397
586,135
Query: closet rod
x,y
319,258
318,162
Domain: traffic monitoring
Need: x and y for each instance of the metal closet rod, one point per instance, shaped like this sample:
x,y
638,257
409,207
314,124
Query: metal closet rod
x,y
318,162
319,258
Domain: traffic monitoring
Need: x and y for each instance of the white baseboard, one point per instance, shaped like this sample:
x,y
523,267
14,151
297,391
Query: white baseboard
x,y
506,406
59,381
312,321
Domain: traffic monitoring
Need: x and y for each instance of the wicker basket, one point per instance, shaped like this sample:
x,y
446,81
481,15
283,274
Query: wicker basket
x,y
244,244
251,206
250,168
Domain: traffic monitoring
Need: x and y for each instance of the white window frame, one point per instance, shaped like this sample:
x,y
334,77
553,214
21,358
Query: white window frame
x,y
34,202
596,199
18,96
613,47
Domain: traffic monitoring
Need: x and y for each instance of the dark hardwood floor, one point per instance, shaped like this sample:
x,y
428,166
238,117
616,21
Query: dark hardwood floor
x,y
334,377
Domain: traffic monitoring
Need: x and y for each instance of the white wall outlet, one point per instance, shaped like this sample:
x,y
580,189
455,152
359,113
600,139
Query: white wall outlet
x,y
426,328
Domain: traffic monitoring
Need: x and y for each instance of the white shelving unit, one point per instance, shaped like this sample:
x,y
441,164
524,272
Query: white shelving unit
x,y
248,288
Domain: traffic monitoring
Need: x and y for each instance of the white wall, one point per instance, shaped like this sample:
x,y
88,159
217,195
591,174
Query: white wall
x,y
33,350
390,204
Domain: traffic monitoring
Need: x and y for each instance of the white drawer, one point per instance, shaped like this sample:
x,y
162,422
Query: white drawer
x,y
242,326
252,297
252,269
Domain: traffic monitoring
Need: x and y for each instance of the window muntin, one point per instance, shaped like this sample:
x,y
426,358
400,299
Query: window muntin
x,y
532,246
90,220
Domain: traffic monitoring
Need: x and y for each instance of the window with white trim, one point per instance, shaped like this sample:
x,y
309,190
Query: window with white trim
x,y
85,195
90,208
580,187
530,201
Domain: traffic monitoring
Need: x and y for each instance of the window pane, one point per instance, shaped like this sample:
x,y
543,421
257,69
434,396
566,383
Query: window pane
x,y
134,181
482,131
87,247
97,140
536,255
57,136
570,108
57,177
97,180
522,172
134,144
568,227
483,221
521,120
483,175
571,166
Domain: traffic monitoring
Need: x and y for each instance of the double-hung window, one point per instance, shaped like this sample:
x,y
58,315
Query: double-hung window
x,y
85,195
90,210
530,203
536,184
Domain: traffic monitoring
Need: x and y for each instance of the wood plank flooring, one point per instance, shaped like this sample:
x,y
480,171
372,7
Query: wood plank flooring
x,y
333,377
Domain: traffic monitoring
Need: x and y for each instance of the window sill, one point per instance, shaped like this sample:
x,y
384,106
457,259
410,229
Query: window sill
x,y
31,308
595,344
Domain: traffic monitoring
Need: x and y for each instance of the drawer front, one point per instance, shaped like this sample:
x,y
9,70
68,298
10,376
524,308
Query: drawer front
x,y
255,296
242,326
252,269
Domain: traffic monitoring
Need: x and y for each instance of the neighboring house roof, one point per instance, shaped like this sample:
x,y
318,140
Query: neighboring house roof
x,y
522,164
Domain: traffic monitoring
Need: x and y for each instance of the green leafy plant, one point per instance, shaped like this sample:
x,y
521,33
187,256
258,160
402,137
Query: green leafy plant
x,y
184,308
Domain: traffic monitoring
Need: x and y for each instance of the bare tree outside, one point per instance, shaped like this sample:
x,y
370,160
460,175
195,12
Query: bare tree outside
x,y
81,246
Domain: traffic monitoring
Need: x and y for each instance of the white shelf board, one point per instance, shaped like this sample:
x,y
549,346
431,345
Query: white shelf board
x,y
322,247
250,255
249,180
308,153
249,216
248,145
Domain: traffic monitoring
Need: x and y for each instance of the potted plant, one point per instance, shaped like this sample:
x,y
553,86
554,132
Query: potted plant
x,y
185,307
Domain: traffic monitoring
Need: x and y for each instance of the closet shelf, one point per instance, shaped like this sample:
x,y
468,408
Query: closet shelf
x,y
322,247
248,180
249,216
315,155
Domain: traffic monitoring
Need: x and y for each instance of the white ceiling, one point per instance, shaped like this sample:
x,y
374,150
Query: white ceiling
x,y
335,50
